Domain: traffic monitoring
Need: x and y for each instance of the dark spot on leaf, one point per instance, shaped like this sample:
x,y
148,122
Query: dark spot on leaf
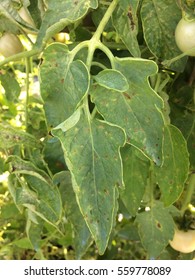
x,y
159,225
130,16
62,81
126,95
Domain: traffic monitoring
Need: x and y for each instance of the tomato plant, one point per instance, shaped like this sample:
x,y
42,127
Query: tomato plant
x,y
97,130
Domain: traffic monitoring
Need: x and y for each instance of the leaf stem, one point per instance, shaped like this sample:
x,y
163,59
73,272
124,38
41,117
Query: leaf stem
x,y
27,90
189,193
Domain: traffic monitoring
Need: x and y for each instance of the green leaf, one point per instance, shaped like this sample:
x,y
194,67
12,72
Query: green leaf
x,y
172,175
156,228
40,195
126,24
34,230
112,79
64,83
11,87
135,176
186,123
82,235
91,150
136,110
10,19
11,136
65,12
159,20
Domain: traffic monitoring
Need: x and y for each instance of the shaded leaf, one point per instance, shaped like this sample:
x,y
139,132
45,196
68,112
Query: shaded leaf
x,y
68,83
162,16
156,228
11,87
136,110
91,150
11,136
126,24
172,175
186,123
40,195
34,228
135,172
82,235
64,11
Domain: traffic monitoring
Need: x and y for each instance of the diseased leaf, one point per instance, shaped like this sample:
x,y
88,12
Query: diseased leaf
x,y
126,24
64,11
11,87
186,124
82,235
39,194
68,83
11,136
136,110
156,228
172,175
135,173
162,16
10,20
91,150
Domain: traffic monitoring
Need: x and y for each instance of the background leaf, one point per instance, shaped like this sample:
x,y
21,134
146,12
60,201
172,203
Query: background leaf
x,y
126,24
40,195
162,16
135,173
11,136
156,228
65,11
82,235
172,175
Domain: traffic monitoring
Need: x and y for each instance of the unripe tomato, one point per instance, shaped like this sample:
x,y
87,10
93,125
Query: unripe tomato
x,y
10,44
185,36
183,241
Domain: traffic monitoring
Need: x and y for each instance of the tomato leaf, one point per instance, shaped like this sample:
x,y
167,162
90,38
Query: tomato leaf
x,y
126,24
91,149
112,79
172,175
128,109
156,228
40,195
135,173
64,11
162,16
11,136
82,235
63,92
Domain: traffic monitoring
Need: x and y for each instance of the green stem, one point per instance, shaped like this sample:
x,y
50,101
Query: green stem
x,y
151,182
105,19
27,91
19,56
189,193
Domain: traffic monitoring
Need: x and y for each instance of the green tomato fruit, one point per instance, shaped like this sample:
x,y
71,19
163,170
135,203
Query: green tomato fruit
x,y
185,36
10,44
183,241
